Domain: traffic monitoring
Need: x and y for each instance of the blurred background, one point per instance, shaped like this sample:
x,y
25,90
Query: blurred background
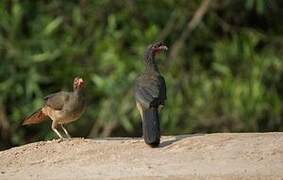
x,y
224,67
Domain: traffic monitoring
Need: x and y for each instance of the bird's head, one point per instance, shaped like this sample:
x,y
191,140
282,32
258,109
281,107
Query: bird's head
x,y
157,47
78,83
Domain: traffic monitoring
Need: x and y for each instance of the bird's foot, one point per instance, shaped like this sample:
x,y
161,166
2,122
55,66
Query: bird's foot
x,y
60,140
69,138
64,139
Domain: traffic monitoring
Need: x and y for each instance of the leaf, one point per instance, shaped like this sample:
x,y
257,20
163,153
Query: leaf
x,y
53,26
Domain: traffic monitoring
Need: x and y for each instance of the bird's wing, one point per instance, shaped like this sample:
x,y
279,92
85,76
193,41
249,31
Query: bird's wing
x,y
57,100
147,90
162,93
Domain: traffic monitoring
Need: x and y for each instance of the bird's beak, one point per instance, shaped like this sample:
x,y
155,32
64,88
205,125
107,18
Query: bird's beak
x,y
163,47
81,80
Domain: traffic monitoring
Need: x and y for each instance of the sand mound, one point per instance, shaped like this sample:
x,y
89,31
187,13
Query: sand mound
x,y
213,156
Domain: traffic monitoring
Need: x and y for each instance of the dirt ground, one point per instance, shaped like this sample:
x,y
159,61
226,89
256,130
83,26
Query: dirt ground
x,y
208,156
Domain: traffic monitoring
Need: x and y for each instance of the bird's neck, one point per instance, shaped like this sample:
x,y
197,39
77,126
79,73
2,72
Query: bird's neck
x,y
78,92
150,64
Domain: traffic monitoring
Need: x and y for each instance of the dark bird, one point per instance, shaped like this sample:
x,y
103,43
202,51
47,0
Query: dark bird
x,y
150,95
61,107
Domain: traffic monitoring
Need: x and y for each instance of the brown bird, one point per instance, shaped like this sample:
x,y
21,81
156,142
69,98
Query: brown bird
x,y
61,107
150,95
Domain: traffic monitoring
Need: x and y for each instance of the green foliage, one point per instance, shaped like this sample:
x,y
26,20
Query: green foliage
x,y
228,76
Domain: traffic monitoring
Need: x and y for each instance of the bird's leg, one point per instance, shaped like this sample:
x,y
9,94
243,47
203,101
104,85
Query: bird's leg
x,y
66,132
54,128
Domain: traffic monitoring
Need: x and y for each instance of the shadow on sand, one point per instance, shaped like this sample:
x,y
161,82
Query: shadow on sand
x,y
163,143
177,138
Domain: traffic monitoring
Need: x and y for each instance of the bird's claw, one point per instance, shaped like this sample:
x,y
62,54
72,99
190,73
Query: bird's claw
x,y
60,140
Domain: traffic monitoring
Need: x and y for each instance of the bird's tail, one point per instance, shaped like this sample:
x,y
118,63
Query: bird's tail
x,y
151,130
37,117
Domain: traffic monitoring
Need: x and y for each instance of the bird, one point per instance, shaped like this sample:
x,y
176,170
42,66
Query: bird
x,y
150,94
61,107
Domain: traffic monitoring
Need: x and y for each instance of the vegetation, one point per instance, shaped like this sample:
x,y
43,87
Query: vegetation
x,y
224,70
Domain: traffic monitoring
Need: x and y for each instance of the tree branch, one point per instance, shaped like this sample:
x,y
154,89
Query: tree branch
x,y
196,19
4,123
